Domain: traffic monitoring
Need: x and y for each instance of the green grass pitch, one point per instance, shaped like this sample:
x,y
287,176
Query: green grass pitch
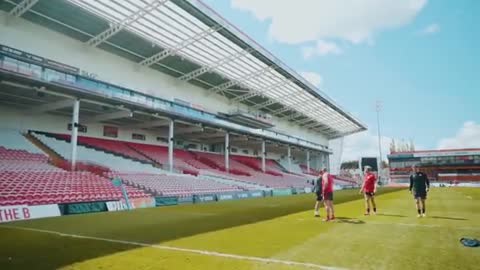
x,y
262,233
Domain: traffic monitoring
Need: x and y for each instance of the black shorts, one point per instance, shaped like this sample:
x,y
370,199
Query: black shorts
x,y
420,195
319,196
370,194
328,196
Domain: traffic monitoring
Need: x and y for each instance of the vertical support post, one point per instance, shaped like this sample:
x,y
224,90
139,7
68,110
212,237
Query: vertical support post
x,y
379,163
170,145
264,154
308,161
289,156
227,152
327,161
74,135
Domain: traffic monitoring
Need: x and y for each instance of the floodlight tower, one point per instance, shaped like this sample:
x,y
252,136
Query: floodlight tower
x,y
378,108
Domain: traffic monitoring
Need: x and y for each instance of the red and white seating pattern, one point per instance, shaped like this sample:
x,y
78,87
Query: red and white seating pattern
x,y
174,185
160,155
278,180
27,178
113,146
185,161
312,171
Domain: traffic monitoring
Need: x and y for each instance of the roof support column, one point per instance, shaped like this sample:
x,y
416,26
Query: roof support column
x,y
289,156
308,161
327,161
170,145
74,135
264,154
227,152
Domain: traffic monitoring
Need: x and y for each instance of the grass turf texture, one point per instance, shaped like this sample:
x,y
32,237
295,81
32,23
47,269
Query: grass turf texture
x,y
277,227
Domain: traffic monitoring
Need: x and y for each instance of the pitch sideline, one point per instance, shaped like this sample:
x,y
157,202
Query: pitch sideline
x,y
196,251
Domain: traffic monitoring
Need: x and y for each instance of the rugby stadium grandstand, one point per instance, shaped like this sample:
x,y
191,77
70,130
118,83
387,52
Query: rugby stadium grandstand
x,y
165,96
108,106
444,166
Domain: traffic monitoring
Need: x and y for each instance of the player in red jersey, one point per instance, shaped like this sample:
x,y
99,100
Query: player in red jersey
x,y
369,188
327,192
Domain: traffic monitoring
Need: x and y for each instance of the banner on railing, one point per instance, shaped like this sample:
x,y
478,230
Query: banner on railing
x,y
164,201
187,199
258,193
82,207
282,192
134,203
23,212
227,196
204,198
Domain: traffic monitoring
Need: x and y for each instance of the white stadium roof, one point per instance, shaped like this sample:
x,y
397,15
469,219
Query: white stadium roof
x,y
193,43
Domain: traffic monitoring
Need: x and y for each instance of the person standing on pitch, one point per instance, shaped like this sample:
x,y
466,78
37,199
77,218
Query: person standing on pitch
x,y
419,186
369,188
317,188
327,194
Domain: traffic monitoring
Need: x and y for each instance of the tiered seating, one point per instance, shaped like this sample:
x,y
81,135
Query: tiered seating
x,y
271,167
218,160
160,155
247,174
174,185
312,171
111,161
27,178
117,147
44,187
185,161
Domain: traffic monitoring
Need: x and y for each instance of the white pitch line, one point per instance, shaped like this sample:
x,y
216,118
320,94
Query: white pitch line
x,y
422,225
196,251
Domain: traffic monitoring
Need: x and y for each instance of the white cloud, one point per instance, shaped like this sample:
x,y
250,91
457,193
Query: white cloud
x,y
431,29
468,136
364,144
321,48
357,21
313,77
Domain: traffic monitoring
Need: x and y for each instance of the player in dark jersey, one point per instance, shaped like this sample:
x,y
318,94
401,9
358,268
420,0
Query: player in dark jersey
x,y
317,188
419,186
369,188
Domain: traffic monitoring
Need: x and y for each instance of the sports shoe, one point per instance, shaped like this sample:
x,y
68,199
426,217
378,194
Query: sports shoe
x,y
326,219
424,215
316,214
419,215
366,214
374,213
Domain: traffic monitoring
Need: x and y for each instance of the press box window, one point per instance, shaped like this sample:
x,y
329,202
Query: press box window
x,y
136,136
109,131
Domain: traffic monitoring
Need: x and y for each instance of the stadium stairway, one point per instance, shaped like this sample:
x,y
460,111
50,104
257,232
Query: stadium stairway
x,y
54,156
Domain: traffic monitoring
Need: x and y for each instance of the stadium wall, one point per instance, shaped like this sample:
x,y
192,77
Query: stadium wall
x,y
29,37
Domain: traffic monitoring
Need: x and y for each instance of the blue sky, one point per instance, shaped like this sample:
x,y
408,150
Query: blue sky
x,y
420,58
